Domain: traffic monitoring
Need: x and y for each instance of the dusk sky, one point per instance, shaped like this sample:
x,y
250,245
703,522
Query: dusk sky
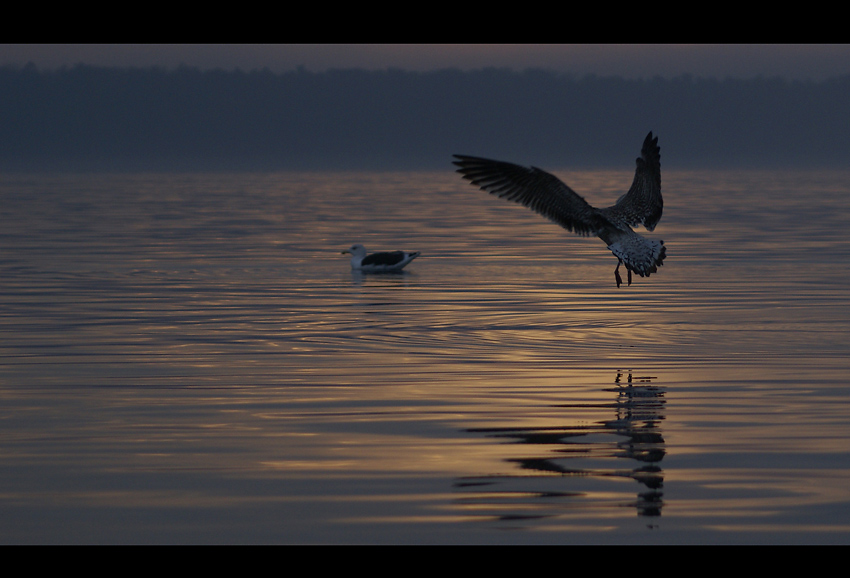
x,y
791,61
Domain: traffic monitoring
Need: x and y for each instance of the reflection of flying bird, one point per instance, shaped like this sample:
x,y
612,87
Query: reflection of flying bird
x,y
387,262
549,196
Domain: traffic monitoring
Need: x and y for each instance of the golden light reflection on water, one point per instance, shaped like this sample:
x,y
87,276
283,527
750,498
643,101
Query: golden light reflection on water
x,y
186,358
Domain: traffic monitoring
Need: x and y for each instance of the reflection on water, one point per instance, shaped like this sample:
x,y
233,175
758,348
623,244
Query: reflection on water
x,y
579,450
188,358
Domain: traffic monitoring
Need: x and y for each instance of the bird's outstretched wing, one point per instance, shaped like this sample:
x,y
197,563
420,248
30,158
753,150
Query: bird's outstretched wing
x,y
643,203
538,190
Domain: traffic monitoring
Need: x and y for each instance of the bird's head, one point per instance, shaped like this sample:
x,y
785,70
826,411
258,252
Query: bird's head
x,y
357,250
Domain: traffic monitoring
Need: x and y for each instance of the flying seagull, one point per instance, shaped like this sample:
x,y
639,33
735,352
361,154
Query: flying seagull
x,y
387,262
547,195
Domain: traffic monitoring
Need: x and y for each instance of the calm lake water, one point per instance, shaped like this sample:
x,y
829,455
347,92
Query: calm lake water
x,y
189,359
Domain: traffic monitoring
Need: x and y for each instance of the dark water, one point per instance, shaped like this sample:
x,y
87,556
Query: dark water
x,y
189,359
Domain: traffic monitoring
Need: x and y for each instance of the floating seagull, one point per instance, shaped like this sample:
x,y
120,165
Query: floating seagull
x,y
549,196
387,262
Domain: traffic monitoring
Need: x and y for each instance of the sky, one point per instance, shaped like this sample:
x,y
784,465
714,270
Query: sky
x,y
791,61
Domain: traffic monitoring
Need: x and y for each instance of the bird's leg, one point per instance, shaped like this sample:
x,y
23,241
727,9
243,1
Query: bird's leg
x,y
630,276
617,275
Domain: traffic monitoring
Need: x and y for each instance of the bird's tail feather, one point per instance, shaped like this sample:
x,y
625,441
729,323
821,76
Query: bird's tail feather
x,y
641,255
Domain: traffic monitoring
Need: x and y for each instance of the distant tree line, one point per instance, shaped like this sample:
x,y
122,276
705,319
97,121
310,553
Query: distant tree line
x,y
92,118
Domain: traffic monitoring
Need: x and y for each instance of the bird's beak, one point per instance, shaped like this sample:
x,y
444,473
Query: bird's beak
x,y
345,251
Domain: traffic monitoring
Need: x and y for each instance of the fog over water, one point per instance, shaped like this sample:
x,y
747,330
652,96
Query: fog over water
x,y
92,118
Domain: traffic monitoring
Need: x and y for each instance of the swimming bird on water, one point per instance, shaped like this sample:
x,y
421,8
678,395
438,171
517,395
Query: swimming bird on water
x,y
385,262
547,195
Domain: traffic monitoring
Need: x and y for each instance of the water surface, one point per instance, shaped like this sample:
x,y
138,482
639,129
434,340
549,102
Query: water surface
x,y
189,359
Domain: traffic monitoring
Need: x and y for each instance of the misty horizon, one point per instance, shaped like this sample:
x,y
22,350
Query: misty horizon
x,y
86,118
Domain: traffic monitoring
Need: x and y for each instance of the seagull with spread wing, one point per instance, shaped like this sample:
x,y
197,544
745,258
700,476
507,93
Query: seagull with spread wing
x,y
547,195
